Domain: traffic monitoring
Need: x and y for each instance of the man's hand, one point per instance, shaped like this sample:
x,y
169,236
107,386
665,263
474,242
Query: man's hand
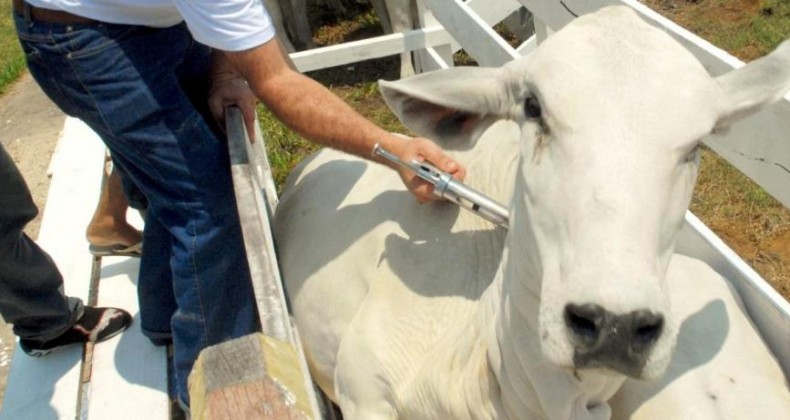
x,y
421,149
227,89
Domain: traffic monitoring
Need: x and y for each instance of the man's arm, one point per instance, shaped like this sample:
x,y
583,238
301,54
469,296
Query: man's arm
x,y
314,112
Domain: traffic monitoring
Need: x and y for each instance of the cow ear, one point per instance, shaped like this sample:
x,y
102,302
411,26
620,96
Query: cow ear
x,y
452,107
756,84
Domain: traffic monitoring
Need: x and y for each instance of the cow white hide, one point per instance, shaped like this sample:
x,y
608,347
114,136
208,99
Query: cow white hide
x,y
428,312
720,369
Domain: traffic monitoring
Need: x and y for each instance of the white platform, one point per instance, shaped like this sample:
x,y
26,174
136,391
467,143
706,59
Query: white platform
x,y
127,378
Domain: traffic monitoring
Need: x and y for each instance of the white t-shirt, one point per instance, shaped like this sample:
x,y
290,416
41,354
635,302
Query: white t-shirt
x,y
229,25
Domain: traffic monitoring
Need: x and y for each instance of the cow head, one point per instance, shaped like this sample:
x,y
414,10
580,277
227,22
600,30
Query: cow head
x,y
611,112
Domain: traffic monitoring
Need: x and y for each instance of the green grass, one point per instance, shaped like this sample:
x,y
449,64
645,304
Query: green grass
x,y
747,29
12,61
286,148
747,218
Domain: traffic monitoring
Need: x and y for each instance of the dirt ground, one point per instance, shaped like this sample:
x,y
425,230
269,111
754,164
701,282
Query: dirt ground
x,y
29,128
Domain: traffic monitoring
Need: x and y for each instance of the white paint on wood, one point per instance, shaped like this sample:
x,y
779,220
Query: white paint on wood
x,y
259,161
542,31
479,40
769,311
256,199
528,46
129,374
256,231
367,49
493,11
44,388
432,58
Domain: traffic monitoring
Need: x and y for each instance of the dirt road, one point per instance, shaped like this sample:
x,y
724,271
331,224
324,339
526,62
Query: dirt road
x,y
29,128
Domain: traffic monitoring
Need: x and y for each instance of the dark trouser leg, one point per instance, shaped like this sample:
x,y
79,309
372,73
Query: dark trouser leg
x,y
31,287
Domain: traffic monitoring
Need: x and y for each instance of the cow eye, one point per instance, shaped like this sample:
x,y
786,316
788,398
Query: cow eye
x,y
532,108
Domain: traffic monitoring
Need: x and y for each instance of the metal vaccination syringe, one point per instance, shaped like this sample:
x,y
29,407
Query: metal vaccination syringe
x,y
445,186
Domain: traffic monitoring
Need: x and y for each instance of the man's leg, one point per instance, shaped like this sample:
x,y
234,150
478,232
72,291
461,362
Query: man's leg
x,y
125,83
31,287
108,232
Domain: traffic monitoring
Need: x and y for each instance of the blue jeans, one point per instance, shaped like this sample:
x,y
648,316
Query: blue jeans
x,y
143,90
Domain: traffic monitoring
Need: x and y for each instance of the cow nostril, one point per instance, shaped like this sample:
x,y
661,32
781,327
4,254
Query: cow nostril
x,y
647,329
581,326
584,322
648,332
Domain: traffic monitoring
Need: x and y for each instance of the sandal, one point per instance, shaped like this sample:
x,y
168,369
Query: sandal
x,y
117,250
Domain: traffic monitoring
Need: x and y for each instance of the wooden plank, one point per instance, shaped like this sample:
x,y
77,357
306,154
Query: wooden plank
x,y
387,45
542,31
769,311
493,11
48,388
432,58
528,46
552,14
757,146
367,49
252,377
128,374
251,176
262,171
256,230
478,39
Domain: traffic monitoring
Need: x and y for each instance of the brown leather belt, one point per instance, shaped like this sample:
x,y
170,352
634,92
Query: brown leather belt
x,y
50,16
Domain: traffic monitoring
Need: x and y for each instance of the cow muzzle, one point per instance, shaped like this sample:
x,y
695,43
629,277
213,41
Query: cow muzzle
x,y
601,339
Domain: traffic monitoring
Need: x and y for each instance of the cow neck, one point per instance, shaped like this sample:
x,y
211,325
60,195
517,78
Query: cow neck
x,y
527,382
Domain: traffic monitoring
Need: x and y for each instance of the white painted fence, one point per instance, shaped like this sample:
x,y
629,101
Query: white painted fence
x,y
758,146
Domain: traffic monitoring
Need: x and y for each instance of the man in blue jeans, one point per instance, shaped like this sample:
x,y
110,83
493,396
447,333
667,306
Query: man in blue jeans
x,y
31,287
148,77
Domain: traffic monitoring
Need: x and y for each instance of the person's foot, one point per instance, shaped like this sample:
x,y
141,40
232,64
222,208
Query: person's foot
x,y
120,240
95,325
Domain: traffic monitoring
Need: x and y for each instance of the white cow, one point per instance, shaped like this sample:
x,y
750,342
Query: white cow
x,y
428,312
720,369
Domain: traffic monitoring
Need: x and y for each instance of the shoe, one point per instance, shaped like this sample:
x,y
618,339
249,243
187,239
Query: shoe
x,y
95,326
117,250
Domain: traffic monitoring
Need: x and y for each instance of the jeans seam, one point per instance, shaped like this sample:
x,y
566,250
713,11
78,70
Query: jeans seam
x,y
107,43
197,285
77,76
